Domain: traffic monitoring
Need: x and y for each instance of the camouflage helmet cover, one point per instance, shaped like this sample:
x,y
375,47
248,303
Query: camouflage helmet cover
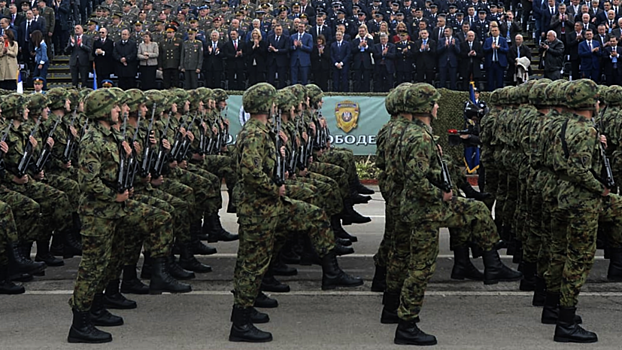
x,y
37,102
613,95
13,106
285,100
57,97
537,93
258,98
420,99
220,95
99,103
582,94
135,98
315,94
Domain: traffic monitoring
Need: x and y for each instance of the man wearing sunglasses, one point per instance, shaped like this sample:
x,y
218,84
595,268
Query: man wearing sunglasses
x,y
102,53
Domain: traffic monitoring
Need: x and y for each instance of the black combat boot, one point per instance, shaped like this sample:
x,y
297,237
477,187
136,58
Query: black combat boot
x,y
550,311
568,330
615,265
335,223
528,283
113,299
257,317
463,267
333,276
343,242
265,302
19,264
281,269
341,250
176,271
218,233
243,329
391,302
131,284
470,192
145,272
6,286
539,294
162,281
407,333
102,317
271,284
198,248
187,261
57,248
359,199
83,331
71,246
495,271
379,282
43,254
362,189
350,216
231,207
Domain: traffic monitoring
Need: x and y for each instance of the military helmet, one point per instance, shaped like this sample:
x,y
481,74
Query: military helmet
x,y
84,92
13,106
220,95
297,91
552,92
315,94
258,98
208,94
420,99
135,98
195,97
74,97
582,94
121,98
537,94
523,91
494,97
154,96
398,97
57,97
179,96
285,100
613,95
388,102
36,103
99,103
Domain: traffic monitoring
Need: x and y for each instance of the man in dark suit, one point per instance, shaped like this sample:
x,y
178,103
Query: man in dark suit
x,y
384,54
321,29
573,39
361,60
14,17
496,50
586,24
424,51
438,33
80,60
213,61
340,57
612,65
125,53
102,53
236,67
589,52
278,47
508,28
552,53
448,50
472,56
25,46
549,11
517,50
301,44
562,23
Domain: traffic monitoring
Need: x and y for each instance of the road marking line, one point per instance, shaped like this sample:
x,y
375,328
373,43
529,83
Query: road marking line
x,y
441,256
358,293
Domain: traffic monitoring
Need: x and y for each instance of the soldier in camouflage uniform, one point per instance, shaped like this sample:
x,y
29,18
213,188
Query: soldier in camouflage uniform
x,y
426,204
106,212
8,235
263,210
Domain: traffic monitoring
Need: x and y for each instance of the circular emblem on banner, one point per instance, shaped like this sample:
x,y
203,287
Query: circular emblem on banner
x,y
244,117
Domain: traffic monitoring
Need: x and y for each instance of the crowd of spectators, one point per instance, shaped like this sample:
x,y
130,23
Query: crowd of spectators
x,y
354,45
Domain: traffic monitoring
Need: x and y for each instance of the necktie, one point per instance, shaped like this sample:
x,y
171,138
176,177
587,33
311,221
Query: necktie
x,y
277,39
441,32
27,26
339,45
425,42
589,44
552,10
494,53
79,40
614,59
298,36
470,45
215,46
518,52
235,45
318,30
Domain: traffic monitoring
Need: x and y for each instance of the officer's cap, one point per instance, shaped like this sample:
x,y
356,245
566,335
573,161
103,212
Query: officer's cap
x,y
107,83
38,80
171,28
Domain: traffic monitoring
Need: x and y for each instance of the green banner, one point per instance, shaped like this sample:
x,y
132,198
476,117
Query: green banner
x,y
353,121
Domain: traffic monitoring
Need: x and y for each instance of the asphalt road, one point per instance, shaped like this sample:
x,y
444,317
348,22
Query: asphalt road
x,y
463,315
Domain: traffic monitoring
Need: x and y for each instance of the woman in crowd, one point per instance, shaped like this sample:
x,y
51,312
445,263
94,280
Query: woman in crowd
x,y
148,62
400,27
255,52
321,63
8,61
383,29
42,61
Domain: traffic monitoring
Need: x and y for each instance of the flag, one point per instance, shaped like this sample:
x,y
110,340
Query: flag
x,y
471,159
472,91
94,77
20,85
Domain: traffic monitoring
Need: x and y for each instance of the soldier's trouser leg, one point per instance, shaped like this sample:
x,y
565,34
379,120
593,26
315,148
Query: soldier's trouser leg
x,y
381,258
464,214
509,206
206,191
581,238
26,216
186,194
67,185
533,243
8,231
297,216
328,190
399,254
612,213
55,207
335,172
558,243
222,166
156,224
492,179
344,159
302,191
502,192
97,236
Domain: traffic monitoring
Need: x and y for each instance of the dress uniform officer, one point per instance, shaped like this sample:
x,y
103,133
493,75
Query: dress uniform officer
x,y
169,58
191,60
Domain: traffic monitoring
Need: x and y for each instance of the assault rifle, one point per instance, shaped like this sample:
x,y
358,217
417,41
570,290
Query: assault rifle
x,y
147,154
69,146
132,165
121,184
24,162
5,134
47,150
185,144
279,175
606,177
161,157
